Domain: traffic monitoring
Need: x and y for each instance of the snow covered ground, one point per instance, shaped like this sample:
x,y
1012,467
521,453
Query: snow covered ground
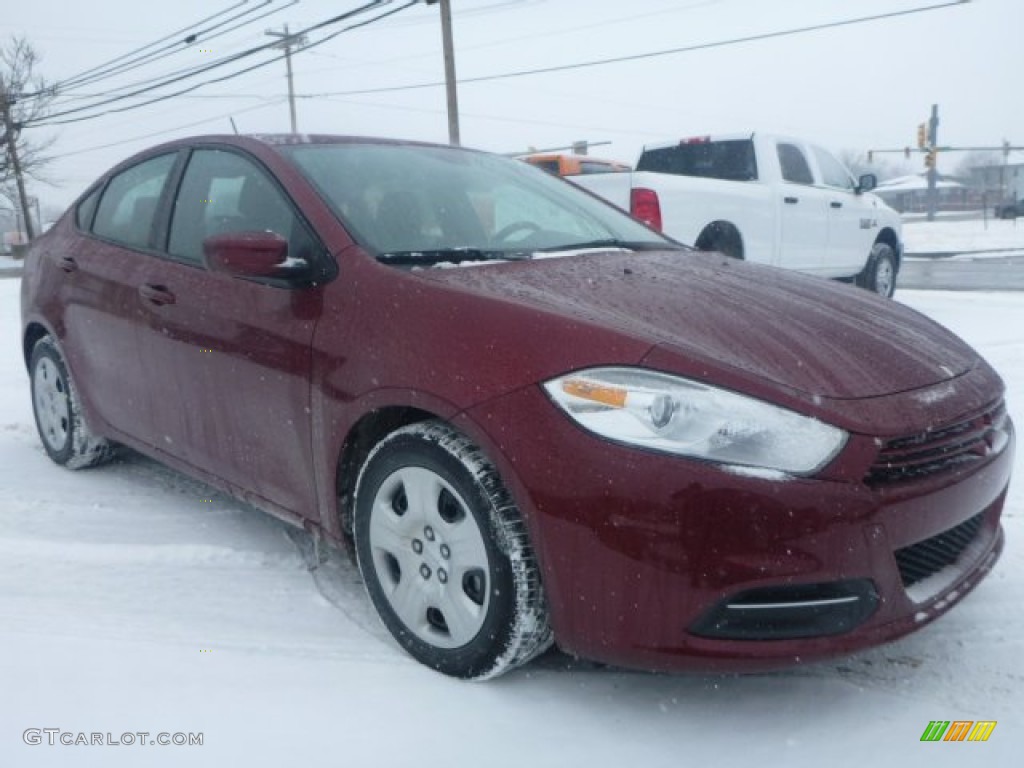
x,y
133,599
963,236
8,263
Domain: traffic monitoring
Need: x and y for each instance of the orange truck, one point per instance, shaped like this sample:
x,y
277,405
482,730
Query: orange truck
x,y
575,165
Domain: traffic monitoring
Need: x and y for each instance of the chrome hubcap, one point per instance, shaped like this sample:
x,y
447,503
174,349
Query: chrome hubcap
x,y
884,277
429,557
52,404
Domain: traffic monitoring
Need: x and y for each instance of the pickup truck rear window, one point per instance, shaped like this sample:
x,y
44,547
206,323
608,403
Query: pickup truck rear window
x,y
729,160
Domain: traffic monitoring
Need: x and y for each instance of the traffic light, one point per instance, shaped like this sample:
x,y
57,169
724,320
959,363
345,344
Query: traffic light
x,y
871,156
929,159
922,136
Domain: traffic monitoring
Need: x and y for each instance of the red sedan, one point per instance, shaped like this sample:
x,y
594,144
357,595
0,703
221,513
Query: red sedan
x,y
535,419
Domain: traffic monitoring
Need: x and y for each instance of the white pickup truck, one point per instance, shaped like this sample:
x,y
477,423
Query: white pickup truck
x,y
768,199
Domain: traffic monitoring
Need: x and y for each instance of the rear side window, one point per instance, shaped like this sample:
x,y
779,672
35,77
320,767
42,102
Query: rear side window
x,y
129,203
794,165
551,166
729,160
86,209
589,166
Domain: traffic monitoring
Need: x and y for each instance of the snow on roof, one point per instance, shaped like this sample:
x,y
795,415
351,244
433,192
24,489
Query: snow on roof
x,y
910,183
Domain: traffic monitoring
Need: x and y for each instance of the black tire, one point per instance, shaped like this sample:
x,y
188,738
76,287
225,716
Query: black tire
x,y
58,412
879,275
488,614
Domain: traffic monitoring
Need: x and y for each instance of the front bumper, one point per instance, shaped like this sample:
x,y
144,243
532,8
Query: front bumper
x,y
641,552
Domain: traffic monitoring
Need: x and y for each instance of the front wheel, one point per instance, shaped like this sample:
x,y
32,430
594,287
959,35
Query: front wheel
x,y
445,555
879,275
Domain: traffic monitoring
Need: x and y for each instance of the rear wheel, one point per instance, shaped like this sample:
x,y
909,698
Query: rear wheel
x,y
721,237
879,275
445,556
58,414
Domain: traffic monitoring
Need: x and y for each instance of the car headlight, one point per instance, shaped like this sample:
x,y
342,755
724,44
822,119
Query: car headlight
x,y
679,416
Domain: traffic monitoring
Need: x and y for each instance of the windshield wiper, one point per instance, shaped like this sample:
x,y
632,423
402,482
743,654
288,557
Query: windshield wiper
x,y
449,255
611,242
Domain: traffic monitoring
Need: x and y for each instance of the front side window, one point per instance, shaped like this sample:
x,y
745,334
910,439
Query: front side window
x,y
225,192
86,208
833,173
794,165
551,166
129,204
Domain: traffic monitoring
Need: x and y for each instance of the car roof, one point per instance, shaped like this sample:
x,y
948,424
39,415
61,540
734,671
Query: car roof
x,y
281,140
257,144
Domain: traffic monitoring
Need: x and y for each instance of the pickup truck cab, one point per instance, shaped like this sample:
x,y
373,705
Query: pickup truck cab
x,y
769,199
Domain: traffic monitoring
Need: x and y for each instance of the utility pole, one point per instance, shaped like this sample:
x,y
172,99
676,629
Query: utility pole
x,y
933,174
449,70
11,132
287,42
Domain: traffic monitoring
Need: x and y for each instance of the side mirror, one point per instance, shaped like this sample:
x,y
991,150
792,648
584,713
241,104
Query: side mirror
x,y
252,254
867,182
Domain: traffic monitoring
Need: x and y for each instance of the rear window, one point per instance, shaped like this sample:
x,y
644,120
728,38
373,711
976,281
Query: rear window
x,y
729,160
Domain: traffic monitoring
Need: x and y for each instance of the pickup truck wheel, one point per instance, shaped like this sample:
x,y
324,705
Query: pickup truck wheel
x,y
445,556
721,237
879,275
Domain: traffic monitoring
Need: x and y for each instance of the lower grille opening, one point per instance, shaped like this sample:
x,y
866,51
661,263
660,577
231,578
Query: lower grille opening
x,y
926,558
788,612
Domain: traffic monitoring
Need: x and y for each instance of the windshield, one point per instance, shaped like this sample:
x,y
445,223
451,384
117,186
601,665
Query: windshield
x,y
432,203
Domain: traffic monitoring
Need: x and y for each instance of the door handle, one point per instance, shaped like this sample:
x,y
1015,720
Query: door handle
x,y
68,264
791,200
836,204
156,294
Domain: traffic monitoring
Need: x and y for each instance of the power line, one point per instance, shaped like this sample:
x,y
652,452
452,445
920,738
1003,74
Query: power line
x,y
653,54
169,77
88,74
50,119
180,73
167,52
118,64
539,34
175,129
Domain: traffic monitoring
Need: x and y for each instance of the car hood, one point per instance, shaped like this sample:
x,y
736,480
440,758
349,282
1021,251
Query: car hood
x,y
810,335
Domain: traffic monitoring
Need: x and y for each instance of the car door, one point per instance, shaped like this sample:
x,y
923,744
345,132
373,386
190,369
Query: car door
x,y
803,235
230,359
100,277
851,218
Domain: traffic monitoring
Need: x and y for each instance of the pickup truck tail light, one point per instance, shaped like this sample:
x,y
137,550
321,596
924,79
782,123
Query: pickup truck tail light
x,y
643,203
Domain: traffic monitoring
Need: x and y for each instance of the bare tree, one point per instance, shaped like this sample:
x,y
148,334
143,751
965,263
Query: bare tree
x,y
24,98
884,169
981,158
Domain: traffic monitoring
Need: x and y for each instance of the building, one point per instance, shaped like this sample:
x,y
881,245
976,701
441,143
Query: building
x,y
909,194
1001,182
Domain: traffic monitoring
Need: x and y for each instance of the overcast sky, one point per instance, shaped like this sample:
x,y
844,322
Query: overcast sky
x,y
854,87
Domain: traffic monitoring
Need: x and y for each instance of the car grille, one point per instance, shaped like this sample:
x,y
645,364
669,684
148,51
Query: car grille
x,y
921,560
937,450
